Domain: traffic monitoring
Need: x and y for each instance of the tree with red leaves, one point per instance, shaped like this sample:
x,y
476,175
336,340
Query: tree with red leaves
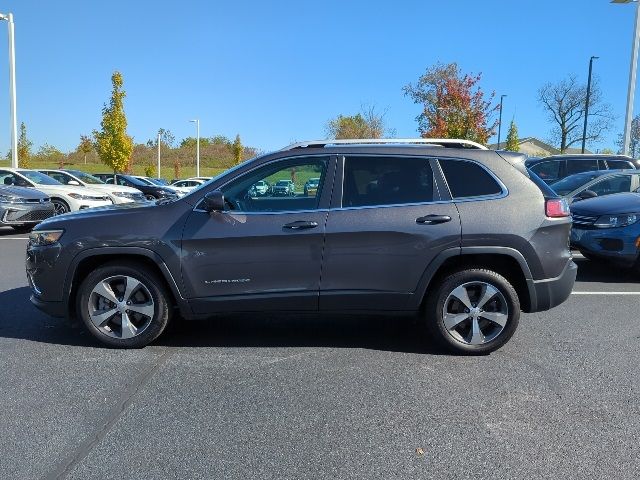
x,y
454,105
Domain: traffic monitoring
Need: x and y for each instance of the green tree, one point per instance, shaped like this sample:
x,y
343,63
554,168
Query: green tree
x,y
150,170
112,143
24,148
190,142
634,139
237,149
366,124
512,138
453,104
85,146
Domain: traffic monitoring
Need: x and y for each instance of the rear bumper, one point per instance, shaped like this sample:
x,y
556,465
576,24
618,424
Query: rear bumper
x,y
548,293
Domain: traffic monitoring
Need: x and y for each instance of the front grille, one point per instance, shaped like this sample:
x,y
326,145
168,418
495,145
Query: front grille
x,y
584,221
19,216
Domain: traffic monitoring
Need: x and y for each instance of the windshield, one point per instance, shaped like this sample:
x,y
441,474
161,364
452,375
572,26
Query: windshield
x,y
282,183
38,178
85,177
146,181
157,181
136,181
570,183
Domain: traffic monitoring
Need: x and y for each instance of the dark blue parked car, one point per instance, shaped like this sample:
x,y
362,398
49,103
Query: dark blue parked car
x,y
608,228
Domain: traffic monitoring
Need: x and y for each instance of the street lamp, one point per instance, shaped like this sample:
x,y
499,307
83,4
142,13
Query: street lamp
x,y
197,122
158,154
632,76
500,120
12,89
586,106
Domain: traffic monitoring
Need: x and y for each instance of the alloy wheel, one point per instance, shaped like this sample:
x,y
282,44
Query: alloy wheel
x,y
121,307
475,313
59,208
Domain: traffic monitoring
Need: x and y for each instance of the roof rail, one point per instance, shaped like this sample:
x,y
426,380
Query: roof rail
x,y
442,142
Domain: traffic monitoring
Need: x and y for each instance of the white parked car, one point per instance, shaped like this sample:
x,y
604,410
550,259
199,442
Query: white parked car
x,y
188,184
65,198
117,194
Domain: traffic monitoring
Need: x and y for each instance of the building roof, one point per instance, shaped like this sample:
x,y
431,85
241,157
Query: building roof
x,y
543,146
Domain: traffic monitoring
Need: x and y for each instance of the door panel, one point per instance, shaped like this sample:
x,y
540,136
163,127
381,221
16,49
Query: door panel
x,y
389,226
265,251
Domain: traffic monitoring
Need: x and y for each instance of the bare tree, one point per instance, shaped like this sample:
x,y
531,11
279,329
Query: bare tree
x,y
634,143
565,101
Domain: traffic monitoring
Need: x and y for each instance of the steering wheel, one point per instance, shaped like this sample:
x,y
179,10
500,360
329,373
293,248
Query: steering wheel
x,y
232,204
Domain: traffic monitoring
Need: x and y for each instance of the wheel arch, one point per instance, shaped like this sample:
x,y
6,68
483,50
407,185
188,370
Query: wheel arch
x,y
505,261
89,260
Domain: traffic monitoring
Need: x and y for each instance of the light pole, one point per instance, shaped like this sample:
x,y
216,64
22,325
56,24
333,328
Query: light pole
x,y
158,155
586,105
197,122
12,89
632,76
500,120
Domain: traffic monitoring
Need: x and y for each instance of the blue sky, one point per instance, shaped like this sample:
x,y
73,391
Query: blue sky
x,y
275,72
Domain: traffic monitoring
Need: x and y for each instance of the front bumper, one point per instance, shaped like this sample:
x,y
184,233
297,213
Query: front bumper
x,y
615,244
54,309
550,292
25,213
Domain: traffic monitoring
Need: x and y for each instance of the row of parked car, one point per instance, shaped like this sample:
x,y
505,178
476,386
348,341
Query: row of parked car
x,y
29,196
604,196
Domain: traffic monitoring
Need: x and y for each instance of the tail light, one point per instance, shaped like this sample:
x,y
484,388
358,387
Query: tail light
x,y
557,208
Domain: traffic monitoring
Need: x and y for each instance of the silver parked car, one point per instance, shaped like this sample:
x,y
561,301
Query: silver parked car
x,y
22,208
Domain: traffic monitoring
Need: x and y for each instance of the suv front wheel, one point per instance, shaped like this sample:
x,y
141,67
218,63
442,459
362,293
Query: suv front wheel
x,y
473,311
124,305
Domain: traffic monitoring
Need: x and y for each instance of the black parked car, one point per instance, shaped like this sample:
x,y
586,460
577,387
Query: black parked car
x,y
556,167
151,192
464,238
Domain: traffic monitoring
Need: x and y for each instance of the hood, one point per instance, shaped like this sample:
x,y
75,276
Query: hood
x,y
49,189
617,203
113,188
120,208
22,192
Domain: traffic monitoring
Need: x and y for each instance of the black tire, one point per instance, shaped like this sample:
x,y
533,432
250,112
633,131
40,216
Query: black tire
x,y
22,228
454,342
154,285
60,206
591,258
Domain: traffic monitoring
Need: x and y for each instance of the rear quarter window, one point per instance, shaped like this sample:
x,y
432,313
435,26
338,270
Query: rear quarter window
x,y
468,179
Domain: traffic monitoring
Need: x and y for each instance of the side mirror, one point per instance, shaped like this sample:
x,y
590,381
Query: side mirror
x,y
73,182
214,201
586,194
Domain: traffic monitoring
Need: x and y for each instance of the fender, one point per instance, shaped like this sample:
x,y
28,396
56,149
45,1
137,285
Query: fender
x,y
443,256
140,251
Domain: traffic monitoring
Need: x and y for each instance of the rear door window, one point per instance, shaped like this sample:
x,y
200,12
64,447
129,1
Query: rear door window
x,y
547,171
468,179
611,185
577,166
370,181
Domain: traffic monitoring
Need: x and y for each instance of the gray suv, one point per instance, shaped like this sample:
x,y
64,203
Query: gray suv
x,y
459,235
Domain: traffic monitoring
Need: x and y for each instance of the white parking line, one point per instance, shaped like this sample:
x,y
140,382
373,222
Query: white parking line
x,y
13,238
605,293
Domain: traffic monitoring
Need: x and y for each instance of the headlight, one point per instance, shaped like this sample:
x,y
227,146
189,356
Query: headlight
x,y
123,194
11,199
612,221
77,196
45,237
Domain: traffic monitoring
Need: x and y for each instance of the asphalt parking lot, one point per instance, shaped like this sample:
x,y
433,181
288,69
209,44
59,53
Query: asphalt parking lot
x,y
278,398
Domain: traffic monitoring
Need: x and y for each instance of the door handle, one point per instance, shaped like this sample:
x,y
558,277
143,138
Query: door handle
x,y
433,219
300,225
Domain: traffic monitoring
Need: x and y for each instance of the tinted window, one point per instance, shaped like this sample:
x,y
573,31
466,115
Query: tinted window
x,y
468,179
572,182
547,171
386,181
277,187
612,185
619,164
577,166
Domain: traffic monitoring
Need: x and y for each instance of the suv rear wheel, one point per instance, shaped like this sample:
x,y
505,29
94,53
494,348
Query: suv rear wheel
x,y
473,311
124,305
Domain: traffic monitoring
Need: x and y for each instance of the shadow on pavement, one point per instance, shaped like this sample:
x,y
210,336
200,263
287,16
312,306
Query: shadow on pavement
x,y
21,320
10,232
604,272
